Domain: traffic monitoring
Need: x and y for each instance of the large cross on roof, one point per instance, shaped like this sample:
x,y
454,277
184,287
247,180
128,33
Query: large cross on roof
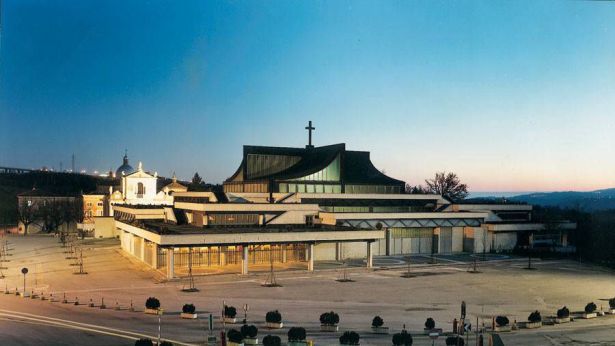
x,y
310,128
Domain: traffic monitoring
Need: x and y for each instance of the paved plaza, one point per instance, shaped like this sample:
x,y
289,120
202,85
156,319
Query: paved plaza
x,y
434,290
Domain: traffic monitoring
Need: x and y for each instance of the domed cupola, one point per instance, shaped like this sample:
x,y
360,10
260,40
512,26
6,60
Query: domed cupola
x,y
125,168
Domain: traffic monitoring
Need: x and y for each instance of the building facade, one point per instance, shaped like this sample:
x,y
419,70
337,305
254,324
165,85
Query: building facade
x,y
310,204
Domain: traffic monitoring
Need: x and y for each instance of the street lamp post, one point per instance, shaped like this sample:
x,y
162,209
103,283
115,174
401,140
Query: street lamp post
x,y
24,271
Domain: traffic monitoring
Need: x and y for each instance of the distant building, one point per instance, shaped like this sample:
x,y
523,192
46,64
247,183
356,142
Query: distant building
x,y
137,187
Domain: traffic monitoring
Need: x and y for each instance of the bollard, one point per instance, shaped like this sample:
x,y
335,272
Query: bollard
x,y
16,291
132,308
51,297
6,290
117,305
64,301
102,303
32,296
76,300
91,303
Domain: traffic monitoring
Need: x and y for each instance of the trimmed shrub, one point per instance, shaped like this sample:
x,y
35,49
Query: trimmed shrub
x,y
612,303
166,343
188,308
350,338
272,340
144,342
563,312
296,334
430,324
502,321
534,317
377,322
273,317
249,331
454,341
230,311
152,303
235,336
590,307
329,318
402,339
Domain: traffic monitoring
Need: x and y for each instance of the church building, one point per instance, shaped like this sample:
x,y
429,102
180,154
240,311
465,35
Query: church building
x,y
302,205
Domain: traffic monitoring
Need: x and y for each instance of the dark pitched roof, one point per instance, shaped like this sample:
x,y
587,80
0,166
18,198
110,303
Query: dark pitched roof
x,y
356,166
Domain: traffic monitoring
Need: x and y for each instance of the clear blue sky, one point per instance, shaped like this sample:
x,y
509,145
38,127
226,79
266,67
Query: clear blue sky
x,y
511,95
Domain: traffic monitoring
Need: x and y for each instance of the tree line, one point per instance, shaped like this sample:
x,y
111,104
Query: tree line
x,y
51,213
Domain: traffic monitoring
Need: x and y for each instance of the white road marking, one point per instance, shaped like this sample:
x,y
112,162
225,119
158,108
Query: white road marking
x,y
16,315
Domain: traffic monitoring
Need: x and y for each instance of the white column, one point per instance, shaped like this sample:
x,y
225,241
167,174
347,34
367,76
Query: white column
x,y
389,242
310,256
221,256
170,264
283,246
154,255
143,249
338,251
370,261
244,260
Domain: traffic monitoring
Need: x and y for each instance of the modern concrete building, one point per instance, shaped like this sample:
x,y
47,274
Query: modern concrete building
x,y
315,203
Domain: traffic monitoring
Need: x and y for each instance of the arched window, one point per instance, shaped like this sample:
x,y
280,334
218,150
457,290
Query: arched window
x,y
140,190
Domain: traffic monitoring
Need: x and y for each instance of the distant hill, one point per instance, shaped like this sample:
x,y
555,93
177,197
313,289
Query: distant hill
x,y
586,201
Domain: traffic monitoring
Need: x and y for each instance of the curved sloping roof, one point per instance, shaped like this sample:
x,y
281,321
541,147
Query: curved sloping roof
x,y
356,166
359,169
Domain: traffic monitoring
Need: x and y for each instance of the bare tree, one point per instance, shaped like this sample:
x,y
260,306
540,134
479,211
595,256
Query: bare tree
x,y
447,185
26,213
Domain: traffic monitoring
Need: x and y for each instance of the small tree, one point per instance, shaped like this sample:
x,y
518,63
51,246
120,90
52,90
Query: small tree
x,y
430,324
230,311
196,179
235,336
534,317
152,303
590,307
377,322
350,338
144,342
249,331
502,321
447,185
563,312
296,334
329,318
188,309
26,214
402,339
272,340
273,317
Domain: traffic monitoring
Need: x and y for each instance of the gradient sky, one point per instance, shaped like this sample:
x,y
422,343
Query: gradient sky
x,y
511,95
